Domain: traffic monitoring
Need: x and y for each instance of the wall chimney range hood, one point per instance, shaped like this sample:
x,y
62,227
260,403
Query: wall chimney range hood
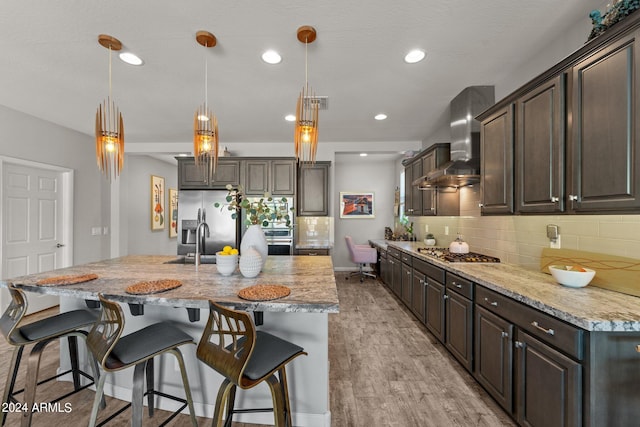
x,y
464,167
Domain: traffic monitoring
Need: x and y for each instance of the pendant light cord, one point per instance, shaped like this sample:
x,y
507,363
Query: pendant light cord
x,y
109,71
206,89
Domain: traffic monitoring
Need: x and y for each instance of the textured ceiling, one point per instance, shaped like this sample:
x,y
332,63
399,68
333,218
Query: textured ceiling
x,y
52,67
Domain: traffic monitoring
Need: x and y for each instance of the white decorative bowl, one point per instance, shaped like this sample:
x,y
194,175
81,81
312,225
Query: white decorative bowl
x,y
226,263
570,278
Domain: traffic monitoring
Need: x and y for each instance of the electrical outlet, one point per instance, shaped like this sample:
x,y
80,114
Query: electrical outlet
x,y
96,231
105,230
446,230
426,228
555,244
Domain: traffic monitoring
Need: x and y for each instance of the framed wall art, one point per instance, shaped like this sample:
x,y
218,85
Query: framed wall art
x,y
173,212
158,214
356,205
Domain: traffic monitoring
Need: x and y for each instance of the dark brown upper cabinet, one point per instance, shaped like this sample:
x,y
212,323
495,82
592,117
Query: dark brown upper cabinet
x,y
313,189
604,160
539,149
191,177
496,167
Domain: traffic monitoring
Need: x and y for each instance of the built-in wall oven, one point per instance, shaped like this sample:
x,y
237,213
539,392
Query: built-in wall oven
x,y
280,236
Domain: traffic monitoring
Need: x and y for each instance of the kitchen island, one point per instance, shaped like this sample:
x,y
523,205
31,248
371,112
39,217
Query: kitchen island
x,y
301,317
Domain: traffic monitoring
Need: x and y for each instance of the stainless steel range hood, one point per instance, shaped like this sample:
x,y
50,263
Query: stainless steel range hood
x,y
464,167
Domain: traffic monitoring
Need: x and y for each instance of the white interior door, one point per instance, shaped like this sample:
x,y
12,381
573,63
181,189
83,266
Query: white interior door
x,y
33,225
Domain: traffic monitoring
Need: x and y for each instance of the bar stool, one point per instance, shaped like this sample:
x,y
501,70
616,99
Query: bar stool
x,y
116,352
250,358
41,333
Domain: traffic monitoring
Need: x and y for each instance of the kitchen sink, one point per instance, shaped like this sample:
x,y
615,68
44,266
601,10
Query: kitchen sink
x,y
204,259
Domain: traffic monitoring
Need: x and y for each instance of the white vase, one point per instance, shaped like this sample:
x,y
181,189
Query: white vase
x,y
254,236
250,262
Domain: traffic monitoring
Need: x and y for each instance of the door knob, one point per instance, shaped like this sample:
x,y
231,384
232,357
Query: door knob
x,y
59,245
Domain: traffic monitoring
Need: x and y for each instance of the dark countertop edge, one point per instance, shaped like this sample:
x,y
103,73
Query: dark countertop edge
x,y
528,300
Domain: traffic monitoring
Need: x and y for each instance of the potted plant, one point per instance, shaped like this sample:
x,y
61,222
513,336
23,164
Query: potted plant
x,y
258,213
430,240
408,226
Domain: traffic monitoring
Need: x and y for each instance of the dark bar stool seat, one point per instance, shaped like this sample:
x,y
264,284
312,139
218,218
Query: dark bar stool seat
x,y
41,333
115,352
231,345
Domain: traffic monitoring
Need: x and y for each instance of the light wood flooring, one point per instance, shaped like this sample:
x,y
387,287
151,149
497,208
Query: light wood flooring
x,y
385,370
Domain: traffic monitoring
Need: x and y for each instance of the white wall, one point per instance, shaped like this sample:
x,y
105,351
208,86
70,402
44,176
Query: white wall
x,y
369,174
29,138
135,195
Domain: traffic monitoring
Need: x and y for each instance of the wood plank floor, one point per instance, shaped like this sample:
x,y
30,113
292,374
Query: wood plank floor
x,y
385,370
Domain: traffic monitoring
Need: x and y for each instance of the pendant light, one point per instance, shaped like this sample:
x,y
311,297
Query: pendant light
x,y
205,123
306,132
109,125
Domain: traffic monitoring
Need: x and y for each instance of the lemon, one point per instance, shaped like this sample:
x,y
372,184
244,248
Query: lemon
x,y
234,252
227,249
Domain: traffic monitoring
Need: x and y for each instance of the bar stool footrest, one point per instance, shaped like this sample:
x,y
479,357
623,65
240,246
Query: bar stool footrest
x,y
152,392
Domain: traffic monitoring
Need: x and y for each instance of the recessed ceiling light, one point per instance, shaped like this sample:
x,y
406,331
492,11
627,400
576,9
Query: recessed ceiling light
x,y
290,118
414,56
130,58
271,57
363,154
380,116
182,155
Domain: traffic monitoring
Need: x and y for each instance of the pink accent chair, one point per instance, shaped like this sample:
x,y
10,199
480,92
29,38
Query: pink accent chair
x,y
361,255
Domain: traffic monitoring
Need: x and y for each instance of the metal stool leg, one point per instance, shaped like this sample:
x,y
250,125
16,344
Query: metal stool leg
x,y
73,356
11,380
150,385
33,367
137,395
231,402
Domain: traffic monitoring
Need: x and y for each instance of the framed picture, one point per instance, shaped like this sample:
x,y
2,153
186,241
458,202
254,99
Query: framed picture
x,y
158,213
173,212
356,205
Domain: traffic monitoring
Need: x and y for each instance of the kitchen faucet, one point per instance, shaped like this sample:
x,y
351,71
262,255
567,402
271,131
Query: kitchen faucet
x,y
202,224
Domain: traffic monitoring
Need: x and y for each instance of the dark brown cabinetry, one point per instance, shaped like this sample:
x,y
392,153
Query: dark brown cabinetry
x,y
429,201
407,283
313,189
395,271
459,319
313,252
418,288
539,149
434,316
528,361
494,356
496,155
549,385
276,176
191,177
604,158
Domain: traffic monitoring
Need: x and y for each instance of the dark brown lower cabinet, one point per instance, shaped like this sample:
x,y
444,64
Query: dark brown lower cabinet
x,y
418,285
434,316
494,356
459,328
396,276
406,284
383,270
548,385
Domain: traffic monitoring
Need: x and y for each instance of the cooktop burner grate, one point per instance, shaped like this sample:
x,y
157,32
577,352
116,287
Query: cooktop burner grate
x,y
444,254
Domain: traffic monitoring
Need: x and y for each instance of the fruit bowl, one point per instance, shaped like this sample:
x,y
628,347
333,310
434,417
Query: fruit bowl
x,y
226,263
572,276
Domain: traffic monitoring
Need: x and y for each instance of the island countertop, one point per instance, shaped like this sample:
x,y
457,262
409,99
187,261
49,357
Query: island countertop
x,y
590,308
311,280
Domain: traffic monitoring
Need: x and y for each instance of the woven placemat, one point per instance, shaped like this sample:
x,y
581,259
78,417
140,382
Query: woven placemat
x,y
152,287
264,292
66,280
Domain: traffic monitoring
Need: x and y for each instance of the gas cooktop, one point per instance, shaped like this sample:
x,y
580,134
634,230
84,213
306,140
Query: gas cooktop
x,y
443,254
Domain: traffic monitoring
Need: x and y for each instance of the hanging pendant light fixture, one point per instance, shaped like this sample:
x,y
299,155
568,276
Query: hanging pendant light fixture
x,y
109,125
205,123
306,132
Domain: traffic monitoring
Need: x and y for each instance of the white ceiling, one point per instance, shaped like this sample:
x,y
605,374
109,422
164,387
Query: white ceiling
x,y
52,67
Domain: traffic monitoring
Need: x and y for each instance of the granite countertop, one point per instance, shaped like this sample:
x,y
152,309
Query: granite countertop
x,y
590,308
311,280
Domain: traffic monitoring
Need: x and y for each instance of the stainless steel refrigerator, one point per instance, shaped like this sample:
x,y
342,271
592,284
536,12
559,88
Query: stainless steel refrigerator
x,y
223,230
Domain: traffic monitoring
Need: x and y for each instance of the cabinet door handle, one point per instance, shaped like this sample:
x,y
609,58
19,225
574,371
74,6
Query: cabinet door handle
x,y
518,344
408,273
546,331
481,205
573,198
445,296
422,283
555,199
504,334
457,285
493,303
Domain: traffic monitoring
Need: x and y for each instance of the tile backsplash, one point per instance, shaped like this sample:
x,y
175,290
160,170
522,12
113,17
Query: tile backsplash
x,y
314,230
519,239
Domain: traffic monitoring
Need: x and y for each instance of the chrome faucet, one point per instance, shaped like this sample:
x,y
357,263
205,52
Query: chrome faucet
x,y
202,225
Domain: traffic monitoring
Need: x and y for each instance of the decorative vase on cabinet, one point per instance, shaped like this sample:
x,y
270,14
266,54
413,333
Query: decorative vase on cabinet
x,y
250,262
254,236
